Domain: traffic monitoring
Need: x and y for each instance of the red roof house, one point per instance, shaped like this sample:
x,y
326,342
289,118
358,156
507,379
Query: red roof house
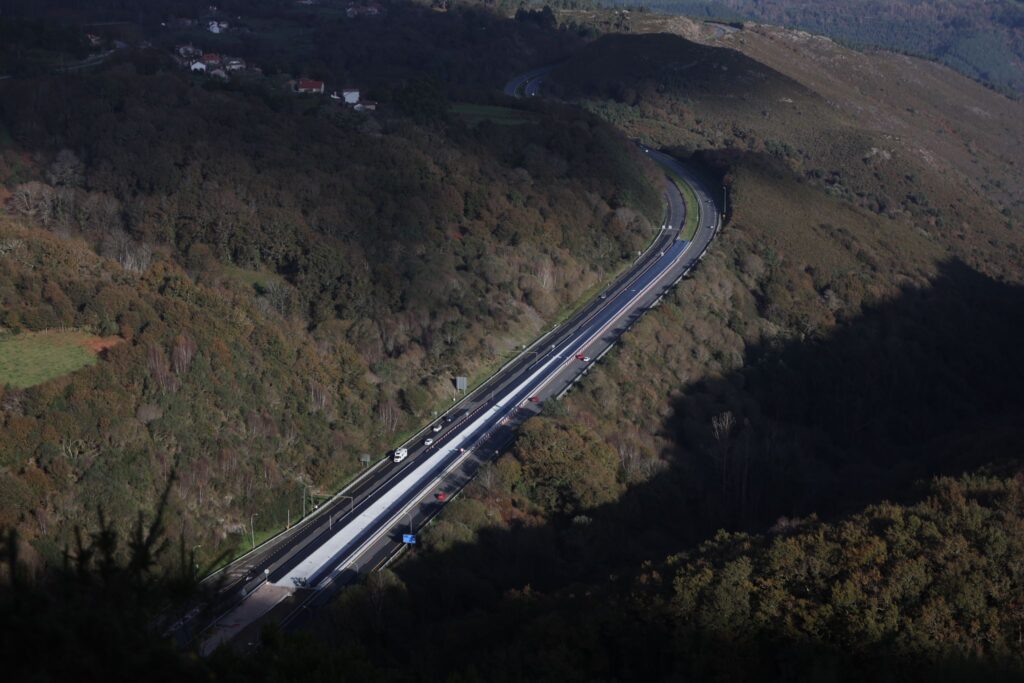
x,y
310,86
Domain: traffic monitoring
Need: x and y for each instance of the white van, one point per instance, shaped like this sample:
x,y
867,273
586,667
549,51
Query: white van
x,y
400,454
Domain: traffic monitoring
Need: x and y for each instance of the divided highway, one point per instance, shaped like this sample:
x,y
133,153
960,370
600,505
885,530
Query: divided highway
x,y
362,528
528,84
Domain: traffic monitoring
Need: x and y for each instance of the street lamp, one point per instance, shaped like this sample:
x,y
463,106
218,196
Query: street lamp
x,y
194,563
252,529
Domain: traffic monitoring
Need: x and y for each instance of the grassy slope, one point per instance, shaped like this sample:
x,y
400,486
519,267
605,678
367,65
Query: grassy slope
x,y
891,149
692,208
980,39
33,358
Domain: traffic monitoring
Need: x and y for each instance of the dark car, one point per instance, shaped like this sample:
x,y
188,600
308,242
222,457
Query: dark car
x,y
452,417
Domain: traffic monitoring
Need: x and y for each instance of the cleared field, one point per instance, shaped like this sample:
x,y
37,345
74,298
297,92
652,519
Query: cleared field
x,y
253,278
32,358
503,116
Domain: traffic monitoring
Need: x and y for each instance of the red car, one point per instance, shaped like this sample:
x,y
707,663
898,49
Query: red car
x,y
585,359
441,496
535,399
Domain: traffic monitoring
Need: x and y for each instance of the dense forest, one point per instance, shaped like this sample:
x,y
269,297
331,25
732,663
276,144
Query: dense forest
x,y
925,591
984,40
295,284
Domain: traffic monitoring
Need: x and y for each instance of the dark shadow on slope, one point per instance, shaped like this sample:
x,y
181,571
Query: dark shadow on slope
x,y
925,384
928,383
625,67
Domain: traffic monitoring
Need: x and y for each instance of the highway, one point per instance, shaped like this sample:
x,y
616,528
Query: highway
x,y
362,528
528,84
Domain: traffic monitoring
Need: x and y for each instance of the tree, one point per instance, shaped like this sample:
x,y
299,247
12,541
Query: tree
x,y
389,414
66,169
423,100
567,469
182,353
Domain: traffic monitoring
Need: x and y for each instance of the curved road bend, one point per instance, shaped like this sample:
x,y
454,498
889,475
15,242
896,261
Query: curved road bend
x,y
362,528
528,84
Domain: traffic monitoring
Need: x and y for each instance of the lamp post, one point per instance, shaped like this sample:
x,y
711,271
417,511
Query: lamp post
x,y
252,528
195,564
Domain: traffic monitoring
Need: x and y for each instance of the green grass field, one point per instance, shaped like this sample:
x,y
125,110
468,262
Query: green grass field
x,y
503,116
253,278
32,358
692,208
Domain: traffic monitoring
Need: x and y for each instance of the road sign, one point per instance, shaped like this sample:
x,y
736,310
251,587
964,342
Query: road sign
x,y
461,383
409,539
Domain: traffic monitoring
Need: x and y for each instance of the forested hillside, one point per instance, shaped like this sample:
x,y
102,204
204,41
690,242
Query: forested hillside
x,y
296,284
984,40
803,465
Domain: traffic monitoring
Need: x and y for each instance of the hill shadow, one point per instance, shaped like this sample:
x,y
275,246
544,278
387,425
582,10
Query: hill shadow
x,y
623,67
924,384
921,385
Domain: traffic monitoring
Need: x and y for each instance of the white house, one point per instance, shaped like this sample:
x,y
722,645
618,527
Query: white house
x,y
218,26
198,66
350,95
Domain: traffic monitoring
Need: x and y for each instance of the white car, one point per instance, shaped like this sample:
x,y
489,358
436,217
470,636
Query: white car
x,y
428,441
438,427
400,454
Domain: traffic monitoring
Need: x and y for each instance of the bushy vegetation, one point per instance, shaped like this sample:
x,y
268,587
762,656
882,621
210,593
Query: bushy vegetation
x,y
100,609
182,388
